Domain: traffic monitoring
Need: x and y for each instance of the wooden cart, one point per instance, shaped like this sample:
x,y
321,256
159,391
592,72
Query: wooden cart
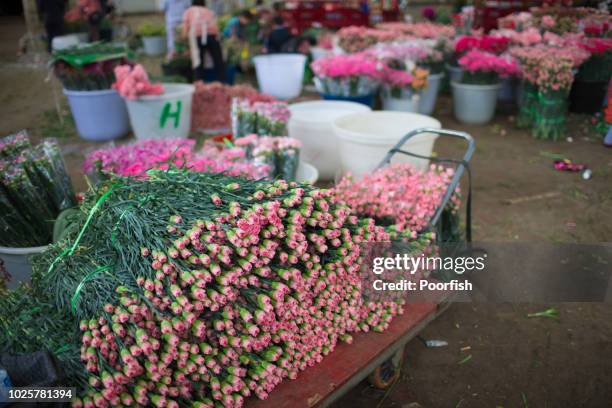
x,y
375,356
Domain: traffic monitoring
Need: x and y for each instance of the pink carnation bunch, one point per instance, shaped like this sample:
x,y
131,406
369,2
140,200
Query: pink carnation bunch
x,y
354,39
548,67
548,21
492,44
477,62
405,51
555,74
276,111
133,82
212,103
517,21
527,37
398,193
397,78
424,30
345,66
137,158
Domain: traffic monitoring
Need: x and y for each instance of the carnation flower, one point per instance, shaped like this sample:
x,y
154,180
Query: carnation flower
x,y
133,82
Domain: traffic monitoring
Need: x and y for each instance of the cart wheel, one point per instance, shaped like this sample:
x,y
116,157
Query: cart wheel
x,y
388,372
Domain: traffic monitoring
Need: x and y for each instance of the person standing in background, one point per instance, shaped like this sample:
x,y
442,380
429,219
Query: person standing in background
x,y
236,26
52,12
174,10
200,27
278,37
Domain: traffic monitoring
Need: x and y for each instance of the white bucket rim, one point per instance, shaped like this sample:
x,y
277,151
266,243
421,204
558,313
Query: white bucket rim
x,y
309,168
452,67
364,137
299,109
488,87
98,92
177,90
439,75
22,251
268,57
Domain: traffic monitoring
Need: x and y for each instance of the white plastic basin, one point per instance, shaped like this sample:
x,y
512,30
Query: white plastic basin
x,y
17,263
307,173
311,123
280,75
65,41
365,138
162,116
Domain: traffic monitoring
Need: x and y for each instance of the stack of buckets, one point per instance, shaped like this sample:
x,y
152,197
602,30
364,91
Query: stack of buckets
x,y
340,137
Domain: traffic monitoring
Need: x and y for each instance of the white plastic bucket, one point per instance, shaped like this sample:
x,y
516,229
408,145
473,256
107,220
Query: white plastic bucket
x,y
474,104
429,95
154,45
83,37
454,73
365,139
307,173
311,123
162,116
17,263
319,52
99,115
280,75
65,41
408,102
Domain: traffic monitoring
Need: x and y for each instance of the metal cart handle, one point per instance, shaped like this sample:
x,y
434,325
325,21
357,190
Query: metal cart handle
x,y
462,165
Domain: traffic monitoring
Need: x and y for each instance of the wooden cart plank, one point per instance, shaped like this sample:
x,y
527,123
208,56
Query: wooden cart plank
x,y
348,364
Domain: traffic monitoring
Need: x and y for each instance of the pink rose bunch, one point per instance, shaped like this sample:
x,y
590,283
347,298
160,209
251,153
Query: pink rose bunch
x,y
347,66
137,158
400,193
476,61
133,82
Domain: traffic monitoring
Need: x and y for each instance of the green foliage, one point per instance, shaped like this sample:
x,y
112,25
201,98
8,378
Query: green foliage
x,y
149,29
480,78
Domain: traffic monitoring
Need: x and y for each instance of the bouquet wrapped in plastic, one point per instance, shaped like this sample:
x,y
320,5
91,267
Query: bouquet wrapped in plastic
x,y
259,117
34,189
348,75
280,154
